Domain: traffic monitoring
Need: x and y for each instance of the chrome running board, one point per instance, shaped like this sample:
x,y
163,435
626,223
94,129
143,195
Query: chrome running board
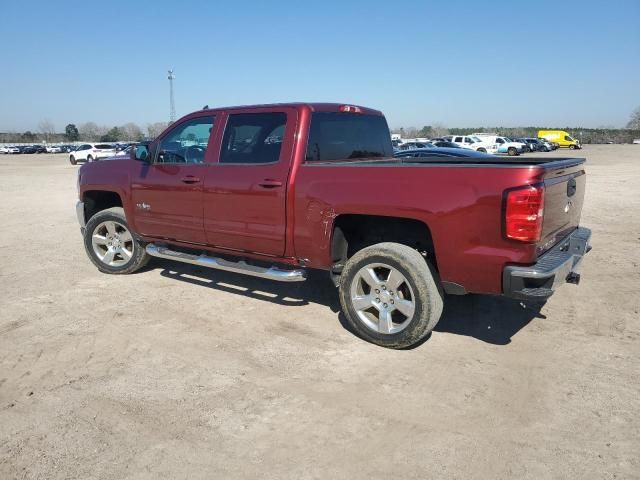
x,y
271,273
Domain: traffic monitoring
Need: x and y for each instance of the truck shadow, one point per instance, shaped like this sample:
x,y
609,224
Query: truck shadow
x,y
491,319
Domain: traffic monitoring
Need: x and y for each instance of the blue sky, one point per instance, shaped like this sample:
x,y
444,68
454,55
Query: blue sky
x,y
460,63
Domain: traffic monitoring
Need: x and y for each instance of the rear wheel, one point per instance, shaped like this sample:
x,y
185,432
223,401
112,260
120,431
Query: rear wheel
x,y
72,160
389,295
111,246
512,151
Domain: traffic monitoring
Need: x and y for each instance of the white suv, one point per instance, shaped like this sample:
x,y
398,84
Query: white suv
x,y
470,142
497,144
88,152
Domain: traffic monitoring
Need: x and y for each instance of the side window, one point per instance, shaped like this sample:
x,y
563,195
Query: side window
x,y
458,139
253,138
467,140
186,143
568,138
499,140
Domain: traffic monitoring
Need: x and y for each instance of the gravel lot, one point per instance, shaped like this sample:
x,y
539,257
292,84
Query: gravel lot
x,y
181,372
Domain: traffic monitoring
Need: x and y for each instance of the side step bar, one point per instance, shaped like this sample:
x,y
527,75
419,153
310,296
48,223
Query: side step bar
x,y
271,273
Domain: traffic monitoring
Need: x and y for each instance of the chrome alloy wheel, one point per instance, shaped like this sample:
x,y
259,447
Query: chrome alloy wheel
x,y
112,243
382,298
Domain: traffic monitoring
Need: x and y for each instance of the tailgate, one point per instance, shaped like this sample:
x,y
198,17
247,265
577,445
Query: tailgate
x,y
564,195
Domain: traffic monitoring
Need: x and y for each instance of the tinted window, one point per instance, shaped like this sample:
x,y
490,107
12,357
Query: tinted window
x,y
102,146
341,136
186,142
458,139
253,138
499,140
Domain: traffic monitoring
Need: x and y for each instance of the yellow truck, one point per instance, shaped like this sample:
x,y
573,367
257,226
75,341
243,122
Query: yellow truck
x,y
560,137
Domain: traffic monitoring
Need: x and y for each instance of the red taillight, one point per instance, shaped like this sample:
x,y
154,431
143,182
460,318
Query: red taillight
x,y
523,213
349,109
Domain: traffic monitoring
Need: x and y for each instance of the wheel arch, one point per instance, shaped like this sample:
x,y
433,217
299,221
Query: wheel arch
x,y
97,200
353,232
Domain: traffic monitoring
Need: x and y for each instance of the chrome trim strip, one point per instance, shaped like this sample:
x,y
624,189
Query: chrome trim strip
x,y
271,273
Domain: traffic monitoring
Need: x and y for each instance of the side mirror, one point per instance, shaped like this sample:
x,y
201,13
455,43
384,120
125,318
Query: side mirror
x,y
142,153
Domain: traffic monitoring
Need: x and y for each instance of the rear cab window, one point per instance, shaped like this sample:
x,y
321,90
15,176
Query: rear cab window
x,y
347,136
253,138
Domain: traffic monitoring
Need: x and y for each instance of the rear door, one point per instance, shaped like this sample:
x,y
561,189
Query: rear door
x,y
245,192
563,200
167,193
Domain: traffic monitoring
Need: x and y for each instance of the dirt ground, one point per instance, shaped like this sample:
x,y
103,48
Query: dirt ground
x,y
180,372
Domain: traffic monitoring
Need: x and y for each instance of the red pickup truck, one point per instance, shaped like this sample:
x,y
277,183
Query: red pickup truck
x,y
274,190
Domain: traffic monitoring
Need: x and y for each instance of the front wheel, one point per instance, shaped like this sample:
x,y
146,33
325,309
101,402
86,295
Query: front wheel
x,y
111,246
389,295
73,160
572,147
89,158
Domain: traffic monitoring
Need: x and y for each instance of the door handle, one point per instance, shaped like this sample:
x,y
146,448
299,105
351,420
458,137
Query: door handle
x,y
270,183
189,179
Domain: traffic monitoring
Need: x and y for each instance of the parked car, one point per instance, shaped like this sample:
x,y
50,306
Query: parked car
x,y
4,149
29,149
413,145
88,152
562,138
500,145
13,149
445,144
313,201
53,149
442,152
470,142
548,146
636,141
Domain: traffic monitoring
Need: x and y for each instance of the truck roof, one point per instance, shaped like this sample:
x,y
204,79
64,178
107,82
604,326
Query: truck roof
x,y
313,106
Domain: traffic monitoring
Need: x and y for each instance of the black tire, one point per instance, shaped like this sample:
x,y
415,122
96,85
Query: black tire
x,y
72,160
418,273
572,147
512,152
138,259
89,158
482,149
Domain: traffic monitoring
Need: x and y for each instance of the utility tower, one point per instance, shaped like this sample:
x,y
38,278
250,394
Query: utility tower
x,y
172,104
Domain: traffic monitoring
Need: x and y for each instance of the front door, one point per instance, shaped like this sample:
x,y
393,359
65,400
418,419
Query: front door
x,y
245,192
167,192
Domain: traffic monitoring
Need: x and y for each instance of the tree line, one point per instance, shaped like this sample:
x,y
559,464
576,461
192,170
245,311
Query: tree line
x,y
85,132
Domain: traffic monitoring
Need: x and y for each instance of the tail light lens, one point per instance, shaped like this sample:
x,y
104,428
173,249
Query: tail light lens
x,y
524,211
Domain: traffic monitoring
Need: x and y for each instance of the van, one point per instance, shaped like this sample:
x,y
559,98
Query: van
x,y
560,137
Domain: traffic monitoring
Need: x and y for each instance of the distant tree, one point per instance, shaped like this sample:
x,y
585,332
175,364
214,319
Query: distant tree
x,y
634,122
28,136
113,135
71,133
88,131
47,129
155,129
426,132
131,131
439,129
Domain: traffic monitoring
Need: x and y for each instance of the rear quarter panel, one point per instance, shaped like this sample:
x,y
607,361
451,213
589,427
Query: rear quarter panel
x,y
461,205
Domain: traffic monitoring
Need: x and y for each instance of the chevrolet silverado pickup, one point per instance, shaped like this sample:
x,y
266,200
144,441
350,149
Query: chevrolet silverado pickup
x,y
275,190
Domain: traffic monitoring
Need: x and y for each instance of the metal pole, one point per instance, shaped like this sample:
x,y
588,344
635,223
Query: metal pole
x,y
172,105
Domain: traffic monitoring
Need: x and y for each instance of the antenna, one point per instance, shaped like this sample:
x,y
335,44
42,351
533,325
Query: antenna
x,y
172,104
